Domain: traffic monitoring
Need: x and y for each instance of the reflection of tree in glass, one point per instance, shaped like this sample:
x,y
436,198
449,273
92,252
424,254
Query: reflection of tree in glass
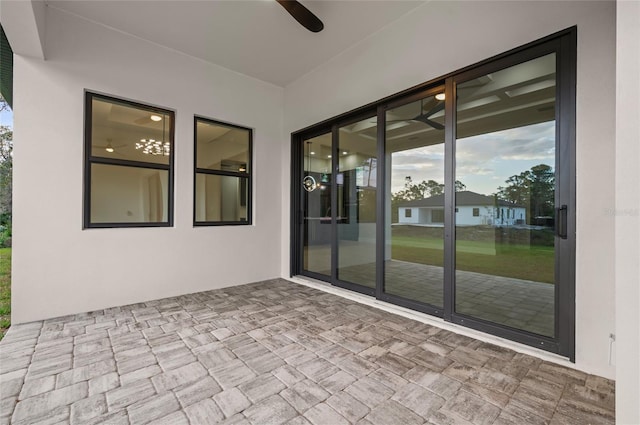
x,y
424,189
533,189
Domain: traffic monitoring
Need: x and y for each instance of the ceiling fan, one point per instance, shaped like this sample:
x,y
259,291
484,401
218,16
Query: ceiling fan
x,y
109,147
425,117
303,15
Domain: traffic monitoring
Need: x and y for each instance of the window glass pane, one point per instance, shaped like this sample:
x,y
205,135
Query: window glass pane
x,y
356,183
414,160
222,147
506,155
126,132
221,198
128,194
316,204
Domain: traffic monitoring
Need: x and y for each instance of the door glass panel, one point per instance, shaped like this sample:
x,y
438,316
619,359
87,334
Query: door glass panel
x,y
356,213
506,156
316,203
414,227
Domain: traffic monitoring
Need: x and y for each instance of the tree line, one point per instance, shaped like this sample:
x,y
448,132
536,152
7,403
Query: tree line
x,y
533,189
6,181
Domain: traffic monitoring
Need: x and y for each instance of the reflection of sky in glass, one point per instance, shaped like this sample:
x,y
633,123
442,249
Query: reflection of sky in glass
x,y
6,118
483,162
424,163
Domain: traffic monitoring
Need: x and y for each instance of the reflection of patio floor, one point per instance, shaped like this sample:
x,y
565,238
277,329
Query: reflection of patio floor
x,y
521,304
277,352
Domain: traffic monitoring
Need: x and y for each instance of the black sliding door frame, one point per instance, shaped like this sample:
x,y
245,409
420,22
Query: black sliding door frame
x,y
563,340
381,294
563,44
335,159
297,213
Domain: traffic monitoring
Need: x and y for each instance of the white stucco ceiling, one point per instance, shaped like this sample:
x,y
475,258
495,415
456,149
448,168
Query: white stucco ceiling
x,y
257,38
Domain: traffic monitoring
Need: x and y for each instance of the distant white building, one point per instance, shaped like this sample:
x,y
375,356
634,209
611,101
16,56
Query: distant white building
x,y
472,209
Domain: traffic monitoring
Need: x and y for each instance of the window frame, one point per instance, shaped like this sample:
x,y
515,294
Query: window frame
x,y
89,160
248,175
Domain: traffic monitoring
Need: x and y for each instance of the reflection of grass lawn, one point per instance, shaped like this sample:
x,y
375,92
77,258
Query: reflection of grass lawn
x,y
518,261
5,290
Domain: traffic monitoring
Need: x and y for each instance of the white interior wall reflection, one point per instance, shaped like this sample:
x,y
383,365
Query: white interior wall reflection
x,y
128,194
221,198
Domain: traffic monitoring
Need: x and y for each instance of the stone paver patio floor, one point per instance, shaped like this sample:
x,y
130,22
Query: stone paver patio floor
x,y
277,352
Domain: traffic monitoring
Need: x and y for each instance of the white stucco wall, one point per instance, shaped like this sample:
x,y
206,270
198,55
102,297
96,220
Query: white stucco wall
x,y
403,219
627,213
58,268
440,37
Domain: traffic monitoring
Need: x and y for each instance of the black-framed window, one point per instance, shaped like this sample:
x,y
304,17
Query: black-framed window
x,y
128,169
222,173
407,213
476,212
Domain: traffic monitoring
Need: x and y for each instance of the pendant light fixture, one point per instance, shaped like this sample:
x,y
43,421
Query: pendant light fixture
x,y
308,182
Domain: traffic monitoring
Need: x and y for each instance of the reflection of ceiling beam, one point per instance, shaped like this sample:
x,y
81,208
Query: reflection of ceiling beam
x,y
24,24
539,69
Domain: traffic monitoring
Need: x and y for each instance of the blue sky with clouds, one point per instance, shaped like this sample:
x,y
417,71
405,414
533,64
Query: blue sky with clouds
x,y
6,118
483,162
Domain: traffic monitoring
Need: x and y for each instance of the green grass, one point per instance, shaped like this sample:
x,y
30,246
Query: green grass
x,y
488,257
5,290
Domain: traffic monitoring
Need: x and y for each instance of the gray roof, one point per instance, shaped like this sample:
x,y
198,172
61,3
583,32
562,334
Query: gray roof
x,y
464,198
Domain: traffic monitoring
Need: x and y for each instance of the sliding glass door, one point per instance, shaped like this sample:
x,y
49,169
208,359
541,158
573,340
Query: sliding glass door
x,y
316,206
456,198
505,153
414,207
356,188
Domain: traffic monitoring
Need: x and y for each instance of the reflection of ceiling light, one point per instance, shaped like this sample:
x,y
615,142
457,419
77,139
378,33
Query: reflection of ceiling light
x,y
153,147
156,118
344,152
328,156
440,96
313,153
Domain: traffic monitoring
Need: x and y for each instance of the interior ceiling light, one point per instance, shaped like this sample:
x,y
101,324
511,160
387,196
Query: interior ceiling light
x,y
344,152
153,147
109,148
156,118
440,96
328,156
312,153
308,182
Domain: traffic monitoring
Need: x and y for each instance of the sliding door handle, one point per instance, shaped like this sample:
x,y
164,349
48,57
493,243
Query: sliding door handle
x,y
561,222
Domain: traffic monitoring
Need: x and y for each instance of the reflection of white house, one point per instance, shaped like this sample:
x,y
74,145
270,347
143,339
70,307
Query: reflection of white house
x,y
472,209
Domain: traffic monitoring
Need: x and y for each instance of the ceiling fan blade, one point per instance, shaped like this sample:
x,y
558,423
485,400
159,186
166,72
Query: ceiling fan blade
x,y
303,15
439,107
424,119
